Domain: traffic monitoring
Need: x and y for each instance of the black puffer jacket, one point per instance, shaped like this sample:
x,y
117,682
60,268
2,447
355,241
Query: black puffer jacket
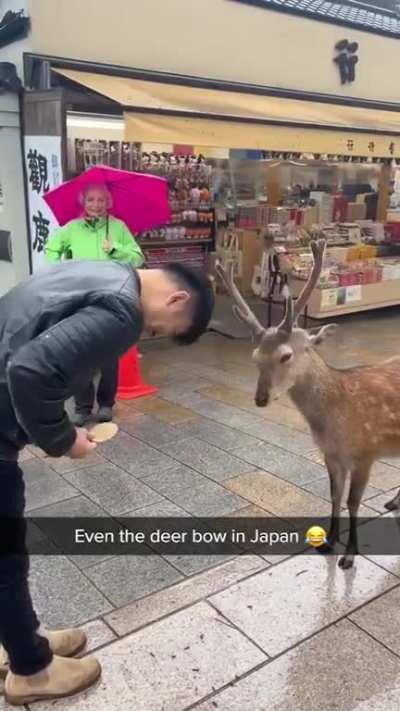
x,y
56,330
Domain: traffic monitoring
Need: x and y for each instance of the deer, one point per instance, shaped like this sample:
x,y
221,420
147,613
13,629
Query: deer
x,y
353,414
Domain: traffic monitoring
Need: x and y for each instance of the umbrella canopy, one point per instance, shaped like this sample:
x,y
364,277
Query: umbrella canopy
x,y
140,200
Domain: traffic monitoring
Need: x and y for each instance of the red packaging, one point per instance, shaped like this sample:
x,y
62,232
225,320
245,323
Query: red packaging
x,y
339,208
393,228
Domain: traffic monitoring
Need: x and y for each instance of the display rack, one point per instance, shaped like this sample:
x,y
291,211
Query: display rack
x,y
363,297
190,234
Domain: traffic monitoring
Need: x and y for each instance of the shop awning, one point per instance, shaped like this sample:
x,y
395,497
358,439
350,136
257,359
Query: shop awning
x,y
170,113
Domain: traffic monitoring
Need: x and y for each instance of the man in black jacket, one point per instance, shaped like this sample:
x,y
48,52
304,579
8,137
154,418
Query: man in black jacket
x,y
56,330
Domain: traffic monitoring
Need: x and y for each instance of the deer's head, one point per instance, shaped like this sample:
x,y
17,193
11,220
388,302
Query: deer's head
x,y
280,351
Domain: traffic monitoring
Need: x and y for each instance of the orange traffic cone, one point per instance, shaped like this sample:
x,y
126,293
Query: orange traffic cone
x,y
130,383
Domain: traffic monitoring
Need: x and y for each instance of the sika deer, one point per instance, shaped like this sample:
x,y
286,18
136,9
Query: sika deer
x,y
354,414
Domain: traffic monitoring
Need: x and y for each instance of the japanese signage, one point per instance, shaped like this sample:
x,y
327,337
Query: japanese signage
x,y
346,60
43,168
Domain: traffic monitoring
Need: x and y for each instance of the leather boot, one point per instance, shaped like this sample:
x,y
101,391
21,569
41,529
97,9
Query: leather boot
x,y
64,643
63,677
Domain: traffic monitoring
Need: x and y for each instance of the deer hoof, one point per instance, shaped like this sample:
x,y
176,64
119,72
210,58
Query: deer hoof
x,y
346,561
393,504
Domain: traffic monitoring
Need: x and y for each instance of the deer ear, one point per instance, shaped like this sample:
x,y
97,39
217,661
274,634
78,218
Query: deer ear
x,y
316,338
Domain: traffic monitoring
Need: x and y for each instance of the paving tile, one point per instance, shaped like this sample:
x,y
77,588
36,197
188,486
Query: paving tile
x,y
281,436
284,415
391,563
164,411
220,375
78,507
193,564
282,463
113,489
24,456
322,488
162,603
253,511
230,395
309,590
392,461
148,429
63,465
277,496
208,499
167,666
163,509
384,476
172,481
125,578
378,502
36,451
377,618
61,593
303,679
316,456
178,386
206,459
218,411
135,456
98,634
219,435
43,485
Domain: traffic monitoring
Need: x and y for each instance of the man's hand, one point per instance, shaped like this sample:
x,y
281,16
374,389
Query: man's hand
x,y
82,446
108,246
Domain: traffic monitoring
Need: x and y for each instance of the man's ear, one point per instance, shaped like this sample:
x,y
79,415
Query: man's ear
x,y
319,336
178,298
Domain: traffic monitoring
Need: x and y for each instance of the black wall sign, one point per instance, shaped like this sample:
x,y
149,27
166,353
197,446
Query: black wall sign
x,y
346,59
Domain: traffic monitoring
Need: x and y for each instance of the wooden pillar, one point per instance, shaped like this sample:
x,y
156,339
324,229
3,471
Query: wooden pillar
x,y
384,192
273,185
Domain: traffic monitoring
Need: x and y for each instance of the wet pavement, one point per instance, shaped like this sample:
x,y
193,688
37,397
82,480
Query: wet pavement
x,y
244,633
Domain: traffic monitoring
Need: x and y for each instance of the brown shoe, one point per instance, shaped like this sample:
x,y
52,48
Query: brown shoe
x,y
64,643
63,677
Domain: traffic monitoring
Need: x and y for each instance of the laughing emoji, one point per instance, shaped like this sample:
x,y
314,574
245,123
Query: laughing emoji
x,y
316,536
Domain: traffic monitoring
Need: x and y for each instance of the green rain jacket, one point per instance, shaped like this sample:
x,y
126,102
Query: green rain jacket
x,y
82,240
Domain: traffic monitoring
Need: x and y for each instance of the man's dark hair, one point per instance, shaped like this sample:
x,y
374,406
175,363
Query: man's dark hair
x,y
200,288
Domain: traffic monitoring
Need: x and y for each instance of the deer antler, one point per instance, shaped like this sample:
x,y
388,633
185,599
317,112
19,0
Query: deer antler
x,y
241,309
318,248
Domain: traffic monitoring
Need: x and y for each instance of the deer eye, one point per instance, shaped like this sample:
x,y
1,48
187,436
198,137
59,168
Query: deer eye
x,y
285,357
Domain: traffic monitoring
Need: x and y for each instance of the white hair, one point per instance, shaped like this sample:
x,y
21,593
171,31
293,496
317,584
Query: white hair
x,y
96,186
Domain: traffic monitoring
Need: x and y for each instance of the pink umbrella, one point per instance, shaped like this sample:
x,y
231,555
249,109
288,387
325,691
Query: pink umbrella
x,y
140,200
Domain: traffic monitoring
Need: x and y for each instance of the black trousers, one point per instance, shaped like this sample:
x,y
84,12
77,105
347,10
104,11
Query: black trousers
x,y
106,392
27,650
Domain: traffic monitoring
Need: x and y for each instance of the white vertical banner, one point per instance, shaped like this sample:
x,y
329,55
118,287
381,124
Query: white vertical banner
x,y
44,172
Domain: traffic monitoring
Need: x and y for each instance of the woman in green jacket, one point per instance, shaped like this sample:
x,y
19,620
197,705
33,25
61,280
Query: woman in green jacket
x,y
96,235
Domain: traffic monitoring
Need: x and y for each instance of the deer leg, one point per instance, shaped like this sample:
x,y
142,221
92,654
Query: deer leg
x,y
359,479
393,504
337,476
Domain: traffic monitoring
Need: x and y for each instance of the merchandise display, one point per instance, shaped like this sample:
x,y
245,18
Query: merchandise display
x,y
261,214
193,217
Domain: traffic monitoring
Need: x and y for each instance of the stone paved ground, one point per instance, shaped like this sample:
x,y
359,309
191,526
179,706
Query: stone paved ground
x,y
248,633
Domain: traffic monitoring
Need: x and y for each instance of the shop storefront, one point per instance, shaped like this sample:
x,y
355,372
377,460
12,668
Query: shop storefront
x,y
248,165
243,170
